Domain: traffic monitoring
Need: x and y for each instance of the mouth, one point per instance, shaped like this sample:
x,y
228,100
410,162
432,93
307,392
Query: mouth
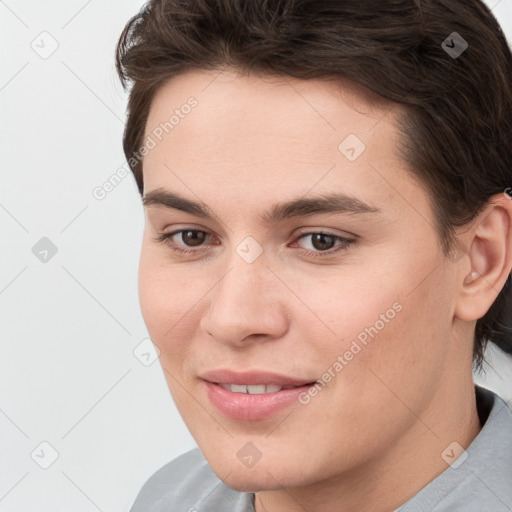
x,y
252,396
255,389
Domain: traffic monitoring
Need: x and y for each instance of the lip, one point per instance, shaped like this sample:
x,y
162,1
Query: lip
x,y
247,407
252,377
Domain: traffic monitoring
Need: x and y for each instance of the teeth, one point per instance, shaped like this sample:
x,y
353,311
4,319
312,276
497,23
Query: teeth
x,y
257,389
238,388
253,389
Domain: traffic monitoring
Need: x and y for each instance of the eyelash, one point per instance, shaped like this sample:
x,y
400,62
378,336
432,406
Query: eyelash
x,y
343,246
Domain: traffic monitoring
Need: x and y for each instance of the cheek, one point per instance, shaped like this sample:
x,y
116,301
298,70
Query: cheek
x,y
407,355
169,304
384,322
346,307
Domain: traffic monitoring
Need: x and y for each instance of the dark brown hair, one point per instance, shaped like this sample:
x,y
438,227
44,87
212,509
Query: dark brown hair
x,y
458,101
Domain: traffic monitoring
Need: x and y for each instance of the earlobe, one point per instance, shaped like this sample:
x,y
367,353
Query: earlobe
x,y
490,254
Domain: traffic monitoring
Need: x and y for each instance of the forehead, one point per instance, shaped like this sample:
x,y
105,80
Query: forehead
x,y
268,137
336,103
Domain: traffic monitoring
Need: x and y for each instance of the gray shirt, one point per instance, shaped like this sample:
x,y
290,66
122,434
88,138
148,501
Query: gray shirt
x,y
481,483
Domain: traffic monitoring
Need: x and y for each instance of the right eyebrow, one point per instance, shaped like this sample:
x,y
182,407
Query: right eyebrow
x,y
167,199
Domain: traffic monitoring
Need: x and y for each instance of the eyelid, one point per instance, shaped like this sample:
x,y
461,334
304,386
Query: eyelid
x,y
166,238
344,244
324,231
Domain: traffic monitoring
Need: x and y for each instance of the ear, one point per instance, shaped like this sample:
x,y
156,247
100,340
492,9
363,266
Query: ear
x,y
490,258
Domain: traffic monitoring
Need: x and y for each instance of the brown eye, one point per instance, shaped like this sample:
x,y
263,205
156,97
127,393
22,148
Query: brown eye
x,y
185,241
322,242
193,238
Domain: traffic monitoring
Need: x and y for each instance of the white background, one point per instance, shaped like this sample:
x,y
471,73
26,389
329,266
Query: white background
x,y
68,374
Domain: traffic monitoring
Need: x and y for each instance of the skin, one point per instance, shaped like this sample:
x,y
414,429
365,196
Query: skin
x,y
374,435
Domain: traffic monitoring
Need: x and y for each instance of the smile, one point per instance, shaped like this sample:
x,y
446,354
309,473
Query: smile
x,y
254,389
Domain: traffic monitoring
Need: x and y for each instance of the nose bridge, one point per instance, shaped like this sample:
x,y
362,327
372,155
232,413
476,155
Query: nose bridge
x,y
243,304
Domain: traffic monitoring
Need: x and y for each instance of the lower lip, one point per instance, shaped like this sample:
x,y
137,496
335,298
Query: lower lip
x,y
244,406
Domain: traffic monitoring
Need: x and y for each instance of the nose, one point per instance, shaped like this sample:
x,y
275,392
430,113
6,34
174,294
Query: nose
x,y
246,306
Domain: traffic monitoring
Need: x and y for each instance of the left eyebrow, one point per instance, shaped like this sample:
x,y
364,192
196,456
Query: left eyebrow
x,y
326,203
300,207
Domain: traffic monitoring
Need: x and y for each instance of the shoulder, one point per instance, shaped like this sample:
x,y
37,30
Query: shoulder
x,y
189,482
480,479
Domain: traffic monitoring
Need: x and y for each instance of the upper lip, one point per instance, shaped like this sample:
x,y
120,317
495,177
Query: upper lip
x,y
252,377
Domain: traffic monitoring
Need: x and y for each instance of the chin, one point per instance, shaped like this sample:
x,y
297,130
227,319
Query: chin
x,y
252,480
263,476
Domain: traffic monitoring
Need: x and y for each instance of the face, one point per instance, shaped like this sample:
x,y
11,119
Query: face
x,y
290,275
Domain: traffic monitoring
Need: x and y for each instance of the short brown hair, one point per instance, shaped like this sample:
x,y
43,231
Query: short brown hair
x,y
458,124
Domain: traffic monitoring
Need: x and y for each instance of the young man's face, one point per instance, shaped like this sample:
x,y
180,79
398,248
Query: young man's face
x,y
263,298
